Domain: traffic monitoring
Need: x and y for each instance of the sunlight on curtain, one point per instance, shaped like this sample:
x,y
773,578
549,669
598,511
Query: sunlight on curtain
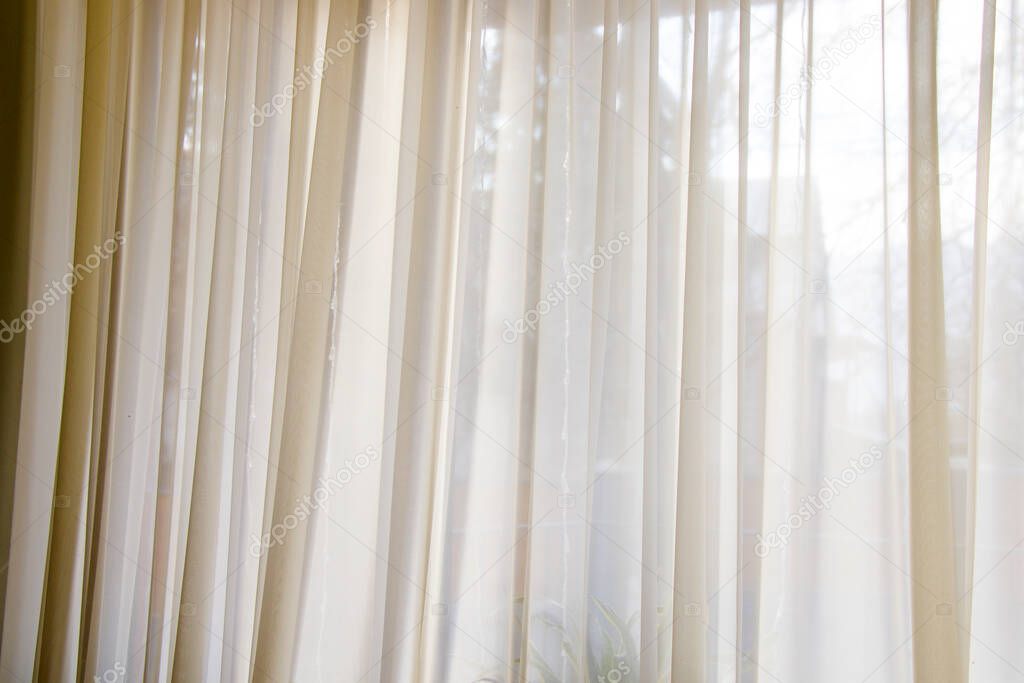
x,y
522,340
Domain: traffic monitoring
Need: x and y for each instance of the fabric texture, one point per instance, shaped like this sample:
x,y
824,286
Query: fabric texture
x,y
513,340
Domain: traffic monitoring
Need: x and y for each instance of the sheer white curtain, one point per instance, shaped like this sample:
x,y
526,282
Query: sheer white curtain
x,y
520,340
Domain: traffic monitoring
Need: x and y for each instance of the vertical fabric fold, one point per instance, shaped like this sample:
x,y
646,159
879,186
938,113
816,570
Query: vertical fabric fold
x,y
653,408
62,629
518,650
18,57
414,627
162,597
750,394
936,649
323,243
209,546
689,631
302,117
57,107
978,300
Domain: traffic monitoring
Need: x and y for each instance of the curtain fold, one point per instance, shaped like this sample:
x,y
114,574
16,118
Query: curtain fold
x,y
936,646
68,581
514,340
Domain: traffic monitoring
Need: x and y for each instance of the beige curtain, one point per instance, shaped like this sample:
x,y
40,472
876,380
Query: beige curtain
x,y
512,340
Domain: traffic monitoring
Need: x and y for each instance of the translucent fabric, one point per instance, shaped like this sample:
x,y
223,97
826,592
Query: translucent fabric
x,y
520,340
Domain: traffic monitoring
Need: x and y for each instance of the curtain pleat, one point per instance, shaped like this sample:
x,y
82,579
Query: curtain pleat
x,y
689,637
324,245
60,29
63,637
936,648
978,299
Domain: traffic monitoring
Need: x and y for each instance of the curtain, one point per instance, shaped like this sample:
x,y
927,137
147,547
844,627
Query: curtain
x,y
513,340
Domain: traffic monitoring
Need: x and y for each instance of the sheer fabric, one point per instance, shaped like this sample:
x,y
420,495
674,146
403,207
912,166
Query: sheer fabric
x,y
517,340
